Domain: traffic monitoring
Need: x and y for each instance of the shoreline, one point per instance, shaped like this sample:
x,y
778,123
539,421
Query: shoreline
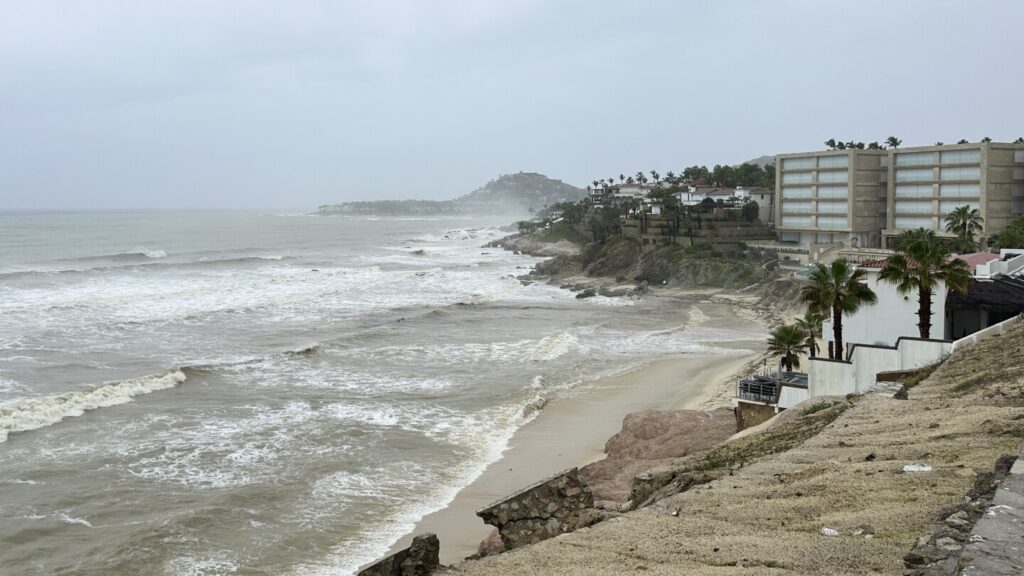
x,y
572,432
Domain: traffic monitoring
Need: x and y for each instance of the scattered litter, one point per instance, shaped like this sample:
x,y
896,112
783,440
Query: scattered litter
x,y
917,468
829,532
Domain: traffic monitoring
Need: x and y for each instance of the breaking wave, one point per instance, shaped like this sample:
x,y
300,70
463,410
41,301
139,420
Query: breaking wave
x,y
34,413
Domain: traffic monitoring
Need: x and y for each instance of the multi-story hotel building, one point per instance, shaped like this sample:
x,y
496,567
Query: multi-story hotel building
x,y
865,198
833,197
928,182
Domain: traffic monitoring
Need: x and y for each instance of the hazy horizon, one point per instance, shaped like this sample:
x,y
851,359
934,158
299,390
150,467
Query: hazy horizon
x,y
267,106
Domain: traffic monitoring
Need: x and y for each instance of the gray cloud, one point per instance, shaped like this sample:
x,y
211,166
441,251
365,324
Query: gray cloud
x,y
287,105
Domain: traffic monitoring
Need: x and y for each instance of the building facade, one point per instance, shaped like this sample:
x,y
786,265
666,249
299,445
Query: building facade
x,y
928,182
831,197
866,198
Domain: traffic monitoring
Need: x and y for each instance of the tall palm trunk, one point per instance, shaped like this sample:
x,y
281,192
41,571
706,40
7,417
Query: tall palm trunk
x,y
837,332
924,312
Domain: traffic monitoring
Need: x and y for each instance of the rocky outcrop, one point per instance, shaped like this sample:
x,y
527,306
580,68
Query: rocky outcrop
x,y
544,510
651,438
419,559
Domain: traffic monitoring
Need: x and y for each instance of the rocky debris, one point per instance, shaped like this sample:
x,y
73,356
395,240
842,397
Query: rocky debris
x,y
544,510
994,546
651,438
419,559
942,551
529,244
491,545
587,293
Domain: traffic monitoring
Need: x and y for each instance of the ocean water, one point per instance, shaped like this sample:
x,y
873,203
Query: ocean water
x,y
218,393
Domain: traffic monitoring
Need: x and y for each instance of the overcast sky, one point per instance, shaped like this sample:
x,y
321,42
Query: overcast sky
x,y
292,104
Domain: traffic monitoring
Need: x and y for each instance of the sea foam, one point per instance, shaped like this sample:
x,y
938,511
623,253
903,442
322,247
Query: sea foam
x,y
33,413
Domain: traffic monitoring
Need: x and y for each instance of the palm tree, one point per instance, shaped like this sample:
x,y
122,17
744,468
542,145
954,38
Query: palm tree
x,y
921,264
939,143
1019,140
965,222
962,141
830,143
810,325
629,180
986,139
893,142
874,146
596,183
622,177
787,341
836,290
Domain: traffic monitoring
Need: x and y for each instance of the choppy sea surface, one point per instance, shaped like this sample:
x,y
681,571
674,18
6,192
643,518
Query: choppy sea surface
x,y
227,392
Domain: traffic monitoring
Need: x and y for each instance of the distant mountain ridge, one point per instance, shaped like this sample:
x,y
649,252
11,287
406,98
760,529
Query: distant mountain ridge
x,y
511,193
759,161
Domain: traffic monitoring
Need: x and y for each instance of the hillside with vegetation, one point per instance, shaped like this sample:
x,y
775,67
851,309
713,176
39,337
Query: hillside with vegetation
x,y
520,193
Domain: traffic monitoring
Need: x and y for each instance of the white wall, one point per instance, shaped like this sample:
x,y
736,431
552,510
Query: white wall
x,y
894,315
831,377
791,396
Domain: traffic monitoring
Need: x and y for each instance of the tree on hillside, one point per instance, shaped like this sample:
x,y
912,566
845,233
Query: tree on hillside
x,y
787,342
750,210
604,224
965,222
622,177
1011,237
922,262
629,180
837,290
893,142
810,325
696,173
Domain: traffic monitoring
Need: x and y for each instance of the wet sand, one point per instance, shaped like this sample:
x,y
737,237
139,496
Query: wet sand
x,y
573,431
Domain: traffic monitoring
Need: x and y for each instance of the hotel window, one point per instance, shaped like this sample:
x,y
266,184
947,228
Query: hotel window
x,y
797,163
833,192
911,222
842,176
915,159
796,221
789,237
1018,173
914,191
947,206
966,173
798,207
912,175
796,178
833,207
832,221
962,156
796,192
969,190
833,161
1018,155
905,207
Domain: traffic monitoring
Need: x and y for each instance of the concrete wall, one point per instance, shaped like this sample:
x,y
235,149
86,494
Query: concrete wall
x,y
543,510
894,316
792,395
858,375
751,414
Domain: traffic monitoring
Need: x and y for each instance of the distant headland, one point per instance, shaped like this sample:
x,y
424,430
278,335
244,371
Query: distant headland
x,y
523,192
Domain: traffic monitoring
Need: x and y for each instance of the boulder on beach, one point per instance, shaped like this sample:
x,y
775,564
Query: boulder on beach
x,y
652,437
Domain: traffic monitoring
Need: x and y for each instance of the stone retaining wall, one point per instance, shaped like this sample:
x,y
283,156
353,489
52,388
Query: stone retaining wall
x,y
543,510
419,559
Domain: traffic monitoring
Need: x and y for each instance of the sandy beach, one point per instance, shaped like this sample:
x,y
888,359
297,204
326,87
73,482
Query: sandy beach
x,y
573,431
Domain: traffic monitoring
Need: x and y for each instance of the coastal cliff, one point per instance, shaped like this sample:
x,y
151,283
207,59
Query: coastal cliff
x,y
863,485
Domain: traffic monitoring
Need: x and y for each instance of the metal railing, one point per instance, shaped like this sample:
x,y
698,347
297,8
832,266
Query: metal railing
x,y
758,389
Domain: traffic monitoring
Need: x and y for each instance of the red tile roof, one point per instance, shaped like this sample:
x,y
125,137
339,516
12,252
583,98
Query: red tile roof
x,y
973,260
